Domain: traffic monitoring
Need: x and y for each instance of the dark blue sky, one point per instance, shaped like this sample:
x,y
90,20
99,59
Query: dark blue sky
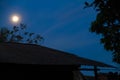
x,y
63,23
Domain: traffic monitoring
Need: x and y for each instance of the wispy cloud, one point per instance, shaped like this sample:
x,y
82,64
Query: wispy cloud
x,y
63,19
68,42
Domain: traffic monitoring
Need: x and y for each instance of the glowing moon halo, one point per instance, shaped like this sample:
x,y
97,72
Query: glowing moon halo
x,y
15,18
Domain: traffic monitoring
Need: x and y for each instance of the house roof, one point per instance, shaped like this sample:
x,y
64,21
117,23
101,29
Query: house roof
x,y
36,54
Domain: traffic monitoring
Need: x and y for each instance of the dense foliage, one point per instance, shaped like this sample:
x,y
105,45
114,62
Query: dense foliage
x,y
107,24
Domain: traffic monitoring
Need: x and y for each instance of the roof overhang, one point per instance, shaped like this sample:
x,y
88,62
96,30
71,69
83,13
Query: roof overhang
x,y
36,54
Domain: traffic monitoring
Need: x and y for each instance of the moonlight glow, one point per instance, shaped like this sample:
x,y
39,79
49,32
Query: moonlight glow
x,y
15,18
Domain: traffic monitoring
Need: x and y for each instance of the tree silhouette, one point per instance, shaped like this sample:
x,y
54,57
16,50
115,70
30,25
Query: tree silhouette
x,y
18,34
107,24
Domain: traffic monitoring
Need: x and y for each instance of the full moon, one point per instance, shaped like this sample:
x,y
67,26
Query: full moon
x,y
15,18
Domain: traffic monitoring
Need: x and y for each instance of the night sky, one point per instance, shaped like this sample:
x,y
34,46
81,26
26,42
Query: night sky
x,y
64,24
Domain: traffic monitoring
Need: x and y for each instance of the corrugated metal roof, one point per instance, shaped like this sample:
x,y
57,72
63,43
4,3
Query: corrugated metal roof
x,y
35,54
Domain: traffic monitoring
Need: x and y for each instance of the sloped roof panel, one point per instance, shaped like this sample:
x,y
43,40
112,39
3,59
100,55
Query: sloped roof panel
x,y
35,54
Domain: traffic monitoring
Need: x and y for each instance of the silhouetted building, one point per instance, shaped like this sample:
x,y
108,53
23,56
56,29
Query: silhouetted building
x,y
109,76
89,78
102,76
27,61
